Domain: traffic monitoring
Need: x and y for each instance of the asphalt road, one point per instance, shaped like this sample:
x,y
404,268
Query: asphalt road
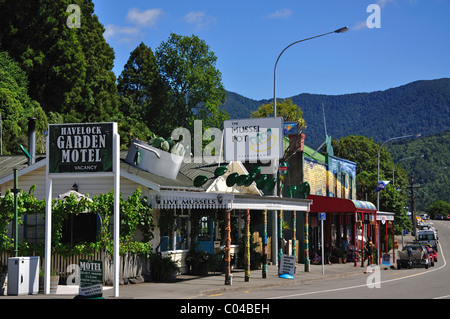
x,y
415,283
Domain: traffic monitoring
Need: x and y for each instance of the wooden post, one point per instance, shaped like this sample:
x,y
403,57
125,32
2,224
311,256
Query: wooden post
x,y
294,235
264,248
247,245
227,247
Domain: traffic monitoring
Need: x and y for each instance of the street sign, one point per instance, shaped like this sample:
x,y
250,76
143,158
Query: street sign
x,y
322,216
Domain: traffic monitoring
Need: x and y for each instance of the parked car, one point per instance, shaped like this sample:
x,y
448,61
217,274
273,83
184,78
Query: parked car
x,y
413,255
429,251
439,217
427,237
432,252
448,217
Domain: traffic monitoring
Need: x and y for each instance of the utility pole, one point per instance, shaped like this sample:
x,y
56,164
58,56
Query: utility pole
x,y
413,205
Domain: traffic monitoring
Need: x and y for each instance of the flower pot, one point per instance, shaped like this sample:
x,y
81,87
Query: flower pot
x,y
54,281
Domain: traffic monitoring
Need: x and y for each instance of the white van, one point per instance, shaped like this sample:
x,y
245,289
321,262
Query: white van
x,y
428,237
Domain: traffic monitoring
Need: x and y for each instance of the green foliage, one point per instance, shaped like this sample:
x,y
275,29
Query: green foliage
x,y
187,66
364,151
135,214
289,111
439,207
16,105
69,69
431,172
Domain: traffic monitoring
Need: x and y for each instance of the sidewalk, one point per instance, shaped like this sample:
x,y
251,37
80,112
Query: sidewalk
x,y
188,286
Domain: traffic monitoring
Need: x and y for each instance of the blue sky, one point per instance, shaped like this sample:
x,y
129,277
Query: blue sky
x,y
412,43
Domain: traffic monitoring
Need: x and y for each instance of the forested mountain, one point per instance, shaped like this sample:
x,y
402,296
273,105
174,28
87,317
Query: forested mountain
x,y
432,172
418,107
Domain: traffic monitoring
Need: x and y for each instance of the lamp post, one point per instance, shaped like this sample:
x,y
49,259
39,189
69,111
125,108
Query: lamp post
x,y
275,162
378,180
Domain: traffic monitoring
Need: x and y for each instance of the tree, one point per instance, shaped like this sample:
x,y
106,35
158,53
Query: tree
x,y
439,207
187,65
69,69
364,151
289,111
16,106
143,96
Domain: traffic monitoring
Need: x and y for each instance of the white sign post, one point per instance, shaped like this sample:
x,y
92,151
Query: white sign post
x,y
322,217
82,149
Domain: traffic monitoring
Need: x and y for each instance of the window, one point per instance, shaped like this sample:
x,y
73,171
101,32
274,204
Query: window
x,y
81,228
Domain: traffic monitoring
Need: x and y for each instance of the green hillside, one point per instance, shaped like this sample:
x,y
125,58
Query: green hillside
x,y
418,107
432,172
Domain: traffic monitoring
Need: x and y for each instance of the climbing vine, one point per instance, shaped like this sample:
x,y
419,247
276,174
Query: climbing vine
x,y
135,214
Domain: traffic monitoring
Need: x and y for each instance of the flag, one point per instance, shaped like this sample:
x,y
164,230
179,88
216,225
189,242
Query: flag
x,y
381,185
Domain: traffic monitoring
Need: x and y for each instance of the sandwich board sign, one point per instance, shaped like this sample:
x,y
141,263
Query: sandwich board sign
x,y
91,278
82,150
287,265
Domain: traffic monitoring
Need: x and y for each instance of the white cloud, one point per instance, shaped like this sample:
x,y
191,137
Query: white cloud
x,y
147,18
123,34
281,14
200,20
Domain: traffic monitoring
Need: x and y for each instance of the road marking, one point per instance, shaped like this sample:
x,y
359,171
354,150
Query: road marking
x,y
365,285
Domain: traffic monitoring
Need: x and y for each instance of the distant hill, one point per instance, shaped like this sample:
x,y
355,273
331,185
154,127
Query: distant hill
x,y
418,107
432,172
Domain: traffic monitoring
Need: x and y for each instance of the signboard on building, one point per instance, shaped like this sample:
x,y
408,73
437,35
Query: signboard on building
x,y
80,148
253,139
91,278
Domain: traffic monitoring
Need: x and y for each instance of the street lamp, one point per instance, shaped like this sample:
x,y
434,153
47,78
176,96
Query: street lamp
x,y
275,162
340,30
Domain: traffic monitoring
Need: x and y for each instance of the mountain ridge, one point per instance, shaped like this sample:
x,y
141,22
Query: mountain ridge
x,y
421,106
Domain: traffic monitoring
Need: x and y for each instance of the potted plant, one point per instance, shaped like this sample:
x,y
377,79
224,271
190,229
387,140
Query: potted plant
x,y
3,279
198,262
163,268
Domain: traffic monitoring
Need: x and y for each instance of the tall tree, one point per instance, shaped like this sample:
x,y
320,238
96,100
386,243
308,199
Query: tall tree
x,y
16,106
364,151
143,95
69,69
187,65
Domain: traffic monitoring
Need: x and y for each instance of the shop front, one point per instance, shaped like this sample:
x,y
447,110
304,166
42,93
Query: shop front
x,y
348,226
209,219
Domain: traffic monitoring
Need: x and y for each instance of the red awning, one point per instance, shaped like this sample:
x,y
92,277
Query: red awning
x,y
324,204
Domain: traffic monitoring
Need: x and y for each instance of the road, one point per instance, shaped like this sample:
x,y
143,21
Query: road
x,y
385,284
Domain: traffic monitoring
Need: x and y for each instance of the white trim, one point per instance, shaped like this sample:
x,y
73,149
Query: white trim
x,y
201,200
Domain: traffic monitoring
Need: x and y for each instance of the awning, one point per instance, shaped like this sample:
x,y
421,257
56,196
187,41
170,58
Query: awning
x,y
228,201
324,204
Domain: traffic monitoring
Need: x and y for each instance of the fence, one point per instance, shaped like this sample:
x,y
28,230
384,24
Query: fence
x,y
132,267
